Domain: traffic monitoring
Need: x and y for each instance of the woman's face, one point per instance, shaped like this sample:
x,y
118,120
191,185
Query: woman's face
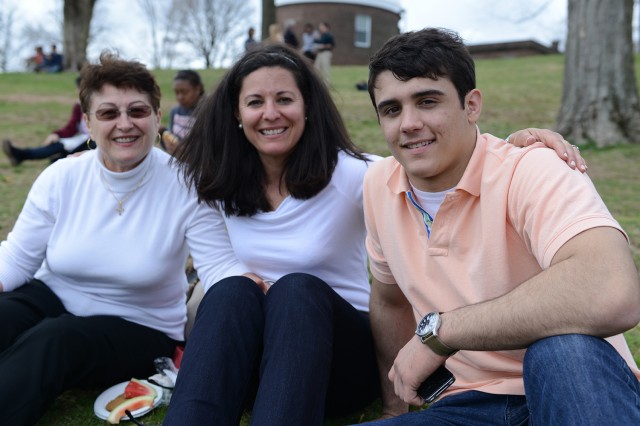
x,y
187,94
272,112
118,124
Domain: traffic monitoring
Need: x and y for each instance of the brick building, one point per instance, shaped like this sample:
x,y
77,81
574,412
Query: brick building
x,y
512,49
359,27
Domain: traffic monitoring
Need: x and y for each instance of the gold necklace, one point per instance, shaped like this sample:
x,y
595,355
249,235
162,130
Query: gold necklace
x,y
120,209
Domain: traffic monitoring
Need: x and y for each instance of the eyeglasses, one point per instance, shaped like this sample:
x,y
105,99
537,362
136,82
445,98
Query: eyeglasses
x,y
108,114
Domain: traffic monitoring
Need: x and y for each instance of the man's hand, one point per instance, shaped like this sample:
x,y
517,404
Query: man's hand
x,y
390,310
565,150
414,363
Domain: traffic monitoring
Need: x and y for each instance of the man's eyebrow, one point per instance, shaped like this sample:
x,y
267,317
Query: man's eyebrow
x,y
383,104
417,95
428,92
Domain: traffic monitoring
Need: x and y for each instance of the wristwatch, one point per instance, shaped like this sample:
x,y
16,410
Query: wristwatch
x,y
427,331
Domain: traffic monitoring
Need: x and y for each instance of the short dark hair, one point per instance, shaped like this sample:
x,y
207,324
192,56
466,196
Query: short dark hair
x,y
430,53
119,73
217,159
192,77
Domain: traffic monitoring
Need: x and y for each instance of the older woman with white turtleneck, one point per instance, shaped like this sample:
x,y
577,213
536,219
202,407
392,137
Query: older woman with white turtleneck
x,y
92,276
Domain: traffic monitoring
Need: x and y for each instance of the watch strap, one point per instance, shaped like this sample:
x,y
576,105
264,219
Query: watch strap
x,y
437,346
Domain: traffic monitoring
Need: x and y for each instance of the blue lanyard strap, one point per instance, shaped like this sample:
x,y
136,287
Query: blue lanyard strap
x,y
426,217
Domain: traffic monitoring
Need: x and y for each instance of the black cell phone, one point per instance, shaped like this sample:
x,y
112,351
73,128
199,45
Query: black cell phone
x,y
435,384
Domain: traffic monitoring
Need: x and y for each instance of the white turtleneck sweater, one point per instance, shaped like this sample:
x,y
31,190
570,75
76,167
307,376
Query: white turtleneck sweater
x,y
97,262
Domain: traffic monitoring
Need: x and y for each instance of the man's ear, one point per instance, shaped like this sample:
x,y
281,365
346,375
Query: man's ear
x,y
473,105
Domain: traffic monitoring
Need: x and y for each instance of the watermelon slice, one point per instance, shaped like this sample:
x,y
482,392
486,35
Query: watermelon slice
x,y
137,388
131,405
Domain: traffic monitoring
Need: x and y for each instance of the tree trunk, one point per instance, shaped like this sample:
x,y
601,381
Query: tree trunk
x,y
268,16
600,96
77,19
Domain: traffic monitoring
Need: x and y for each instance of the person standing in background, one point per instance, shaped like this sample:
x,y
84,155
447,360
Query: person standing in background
x,y
290,38
250,42
324,51
276,36
309,35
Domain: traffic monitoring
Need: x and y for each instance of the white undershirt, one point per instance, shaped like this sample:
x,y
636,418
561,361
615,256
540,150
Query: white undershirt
x,y
430,201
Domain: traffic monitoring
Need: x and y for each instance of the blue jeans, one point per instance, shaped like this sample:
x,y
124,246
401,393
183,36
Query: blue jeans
x,y
569,380
298,352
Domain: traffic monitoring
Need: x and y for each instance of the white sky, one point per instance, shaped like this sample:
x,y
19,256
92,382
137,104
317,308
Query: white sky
x,y
477,21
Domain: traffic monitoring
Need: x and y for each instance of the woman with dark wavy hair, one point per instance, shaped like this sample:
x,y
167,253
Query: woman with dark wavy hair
x,y
270,151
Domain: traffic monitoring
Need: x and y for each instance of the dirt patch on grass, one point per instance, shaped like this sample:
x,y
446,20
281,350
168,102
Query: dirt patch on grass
x,y
37,99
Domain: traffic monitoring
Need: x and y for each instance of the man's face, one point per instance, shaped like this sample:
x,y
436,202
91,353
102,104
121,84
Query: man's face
x,y
427,130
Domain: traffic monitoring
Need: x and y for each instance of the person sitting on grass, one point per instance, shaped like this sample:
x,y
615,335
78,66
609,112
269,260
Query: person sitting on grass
x,y
518,277
92,282
188,88
72,138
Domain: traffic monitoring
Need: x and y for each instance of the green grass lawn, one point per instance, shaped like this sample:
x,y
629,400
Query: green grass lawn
x,y
518,93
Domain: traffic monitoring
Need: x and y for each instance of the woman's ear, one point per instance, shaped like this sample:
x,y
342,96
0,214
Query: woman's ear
x,y
85,117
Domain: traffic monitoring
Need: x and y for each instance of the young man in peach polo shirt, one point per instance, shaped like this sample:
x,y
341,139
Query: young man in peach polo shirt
x,y
517,274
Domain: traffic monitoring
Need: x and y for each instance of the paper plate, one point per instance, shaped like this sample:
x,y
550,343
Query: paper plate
x,y
115,390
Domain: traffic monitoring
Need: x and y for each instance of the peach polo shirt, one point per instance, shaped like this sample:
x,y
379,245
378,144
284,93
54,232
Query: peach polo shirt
x,y
502,224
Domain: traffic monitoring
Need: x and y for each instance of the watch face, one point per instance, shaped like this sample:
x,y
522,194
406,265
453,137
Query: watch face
x,y
427,324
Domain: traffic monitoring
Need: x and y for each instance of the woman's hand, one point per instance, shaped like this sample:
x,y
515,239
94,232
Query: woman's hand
x,y
565,150
53,137
264,285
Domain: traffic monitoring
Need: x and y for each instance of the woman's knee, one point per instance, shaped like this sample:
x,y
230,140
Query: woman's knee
x,y
65,334
298,286
231,299
231,291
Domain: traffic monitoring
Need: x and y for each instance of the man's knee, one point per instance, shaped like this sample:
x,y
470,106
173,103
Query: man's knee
x,y
565,359
565,348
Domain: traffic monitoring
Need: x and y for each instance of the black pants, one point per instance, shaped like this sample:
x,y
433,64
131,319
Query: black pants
x,y
45,350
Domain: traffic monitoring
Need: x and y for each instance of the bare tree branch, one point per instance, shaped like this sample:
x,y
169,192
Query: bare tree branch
x,y
213,25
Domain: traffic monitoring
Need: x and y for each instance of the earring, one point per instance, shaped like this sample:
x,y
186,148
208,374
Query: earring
x,y
90,143
239,125
305,118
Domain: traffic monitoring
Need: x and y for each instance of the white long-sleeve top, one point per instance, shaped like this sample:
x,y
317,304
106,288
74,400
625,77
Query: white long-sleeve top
x,y
323,236
70,236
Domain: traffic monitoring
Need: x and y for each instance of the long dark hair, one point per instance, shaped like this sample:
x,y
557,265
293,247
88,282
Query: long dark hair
x,y
217,159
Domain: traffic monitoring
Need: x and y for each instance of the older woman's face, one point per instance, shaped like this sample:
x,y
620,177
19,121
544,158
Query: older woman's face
x,y
272,112
118,124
